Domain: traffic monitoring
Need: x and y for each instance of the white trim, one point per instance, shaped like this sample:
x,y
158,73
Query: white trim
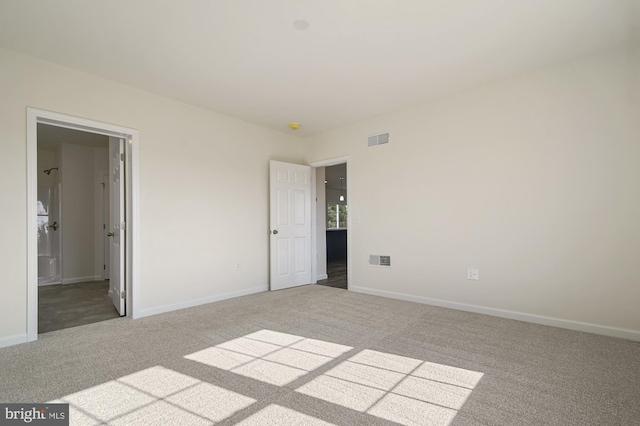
x,y
322,277
331,162
16,339
132,155
314,231
35,116
46,284
314,234
82,279
520,316
82,124
202,301
133,214
32,231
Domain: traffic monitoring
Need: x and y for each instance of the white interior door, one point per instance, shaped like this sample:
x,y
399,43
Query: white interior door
x,y
106,227
117,223
290,220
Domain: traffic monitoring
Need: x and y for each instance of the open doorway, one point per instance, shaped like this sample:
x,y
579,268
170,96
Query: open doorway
x,y
73,171
69,160
332,225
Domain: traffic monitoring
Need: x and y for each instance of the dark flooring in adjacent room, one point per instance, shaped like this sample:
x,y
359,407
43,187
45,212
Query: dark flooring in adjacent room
x,y
70,305
337,272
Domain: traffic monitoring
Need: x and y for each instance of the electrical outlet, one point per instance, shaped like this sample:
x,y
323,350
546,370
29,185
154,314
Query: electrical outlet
x,y
473,274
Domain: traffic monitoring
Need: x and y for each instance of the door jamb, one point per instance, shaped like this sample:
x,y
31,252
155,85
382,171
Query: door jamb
x,y
132,202
314,228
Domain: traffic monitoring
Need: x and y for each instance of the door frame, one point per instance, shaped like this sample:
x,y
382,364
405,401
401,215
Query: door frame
x,y
132,202
314,214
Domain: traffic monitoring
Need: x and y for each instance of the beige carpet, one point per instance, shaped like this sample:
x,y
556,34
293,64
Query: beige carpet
x,y
318,355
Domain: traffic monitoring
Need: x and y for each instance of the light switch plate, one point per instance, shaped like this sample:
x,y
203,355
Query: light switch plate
x,y
473,274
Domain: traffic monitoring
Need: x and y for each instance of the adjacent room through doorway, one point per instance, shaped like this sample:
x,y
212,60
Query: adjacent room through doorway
x,y
332,194
73,227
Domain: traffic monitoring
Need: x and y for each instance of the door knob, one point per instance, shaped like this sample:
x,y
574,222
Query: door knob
x,y
275,231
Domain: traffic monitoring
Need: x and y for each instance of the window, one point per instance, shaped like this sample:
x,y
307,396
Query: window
x,y
336,216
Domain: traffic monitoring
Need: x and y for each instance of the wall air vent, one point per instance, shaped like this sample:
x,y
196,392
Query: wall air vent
x,y
377,260
375,140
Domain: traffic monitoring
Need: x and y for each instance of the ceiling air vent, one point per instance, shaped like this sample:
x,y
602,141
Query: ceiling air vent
x,y
377,260
375,140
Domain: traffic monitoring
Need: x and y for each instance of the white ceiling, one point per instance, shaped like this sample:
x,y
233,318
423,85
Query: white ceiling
x,y
358,58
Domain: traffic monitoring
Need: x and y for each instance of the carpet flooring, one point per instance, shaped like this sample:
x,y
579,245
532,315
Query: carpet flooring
x,y
70,305
317,355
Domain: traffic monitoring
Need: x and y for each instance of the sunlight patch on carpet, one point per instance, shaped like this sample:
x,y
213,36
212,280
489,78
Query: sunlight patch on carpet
x,y
269,356
156,395
400,389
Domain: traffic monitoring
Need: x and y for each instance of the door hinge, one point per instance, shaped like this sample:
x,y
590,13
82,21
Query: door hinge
x,y
121,156
103,226
123,294
123,226
104,267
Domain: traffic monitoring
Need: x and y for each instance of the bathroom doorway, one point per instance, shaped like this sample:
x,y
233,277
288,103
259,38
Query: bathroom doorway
x,y
79,157
72,228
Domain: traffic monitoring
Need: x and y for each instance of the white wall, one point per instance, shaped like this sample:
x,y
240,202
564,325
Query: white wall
x,y
78,213
203,187
535,181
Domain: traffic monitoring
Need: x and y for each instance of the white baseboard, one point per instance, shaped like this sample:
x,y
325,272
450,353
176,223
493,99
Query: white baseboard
x,y
16,339
537,319
322,277
203,301
81,279
53,283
